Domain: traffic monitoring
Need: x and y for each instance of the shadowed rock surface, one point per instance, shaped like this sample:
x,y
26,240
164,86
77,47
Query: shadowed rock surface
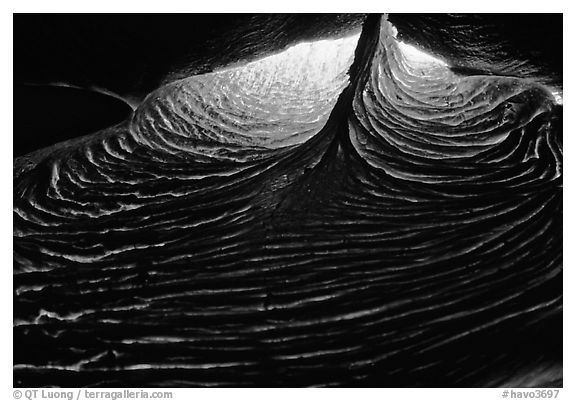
x,y
342,213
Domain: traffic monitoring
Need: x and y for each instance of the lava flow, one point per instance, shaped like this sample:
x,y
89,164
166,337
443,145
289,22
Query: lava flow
x,y
347,212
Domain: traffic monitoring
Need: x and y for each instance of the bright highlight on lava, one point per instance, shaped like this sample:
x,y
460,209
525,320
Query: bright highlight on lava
x,y
558,96
416,57
280,100
295,221
305,68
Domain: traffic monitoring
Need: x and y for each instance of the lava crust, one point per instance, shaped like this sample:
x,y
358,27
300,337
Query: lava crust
x,y
341,213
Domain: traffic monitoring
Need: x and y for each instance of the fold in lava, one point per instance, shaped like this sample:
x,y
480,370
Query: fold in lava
x,y
284,223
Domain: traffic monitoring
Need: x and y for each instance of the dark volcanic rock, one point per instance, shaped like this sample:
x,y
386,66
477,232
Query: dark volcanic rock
x,y
343,213
45,115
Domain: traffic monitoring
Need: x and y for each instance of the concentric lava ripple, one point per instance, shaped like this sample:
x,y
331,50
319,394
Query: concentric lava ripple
x,y
315,218
275,102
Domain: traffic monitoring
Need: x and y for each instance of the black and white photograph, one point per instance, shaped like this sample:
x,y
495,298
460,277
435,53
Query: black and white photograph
x,y
287,200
